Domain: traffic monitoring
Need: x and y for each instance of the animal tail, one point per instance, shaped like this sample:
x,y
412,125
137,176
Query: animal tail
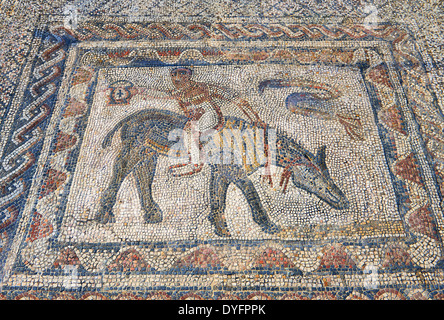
x,y
353,126
109,136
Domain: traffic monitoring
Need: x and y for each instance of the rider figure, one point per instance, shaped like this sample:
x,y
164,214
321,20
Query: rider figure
x,y
198,101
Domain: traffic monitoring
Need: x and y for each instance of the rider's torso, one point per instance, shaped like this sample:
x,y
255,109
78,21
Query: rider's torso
x,y
195,101
192,96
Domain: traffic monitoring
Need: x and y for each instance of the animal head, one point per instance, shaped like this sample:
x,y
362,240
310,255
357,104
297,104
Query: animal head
x,y
311,174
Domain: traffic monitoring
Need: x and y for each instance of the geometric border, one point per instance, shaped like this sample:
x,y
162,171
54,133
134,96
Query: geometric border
x,y
397,56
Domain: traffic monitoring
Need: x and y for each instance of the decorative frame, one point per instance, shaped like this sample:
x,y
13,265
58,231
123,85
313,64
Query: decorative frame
x,y
406,110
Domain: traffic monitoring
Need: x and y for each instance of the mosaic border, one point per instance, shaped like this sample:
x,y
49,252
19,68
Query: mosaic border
x,y
405,59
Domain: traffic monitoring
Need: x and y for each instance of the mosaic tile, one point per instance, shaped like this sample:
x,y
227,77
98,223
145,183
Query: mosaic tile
x,y
194,150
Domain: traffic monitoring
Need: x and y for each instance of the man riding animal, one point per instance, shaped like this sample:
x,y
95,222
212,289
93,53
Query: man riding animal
x,y
145,136
199,102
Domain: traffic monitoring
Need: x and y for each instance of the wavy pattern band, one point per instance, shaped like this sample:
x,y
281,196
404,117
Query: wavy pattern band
x,y
19,159
219,31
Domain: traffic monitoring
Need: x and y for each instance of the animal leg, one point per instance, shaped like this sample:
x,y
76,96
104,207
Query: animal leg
x,y
257,210
125,162
218,193
144,174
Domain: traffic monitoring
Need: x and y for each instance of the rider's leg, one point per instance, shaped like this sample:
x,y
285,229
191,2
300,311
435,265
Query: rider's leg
x,y
192,145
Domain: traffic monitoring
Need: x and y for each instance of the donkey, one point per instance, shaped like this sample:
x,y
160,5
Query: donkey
x,y
145,136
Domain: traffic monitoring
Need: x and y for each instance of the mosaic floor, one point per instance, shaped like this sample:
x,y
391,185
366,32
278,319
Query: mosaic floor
x,y
279,150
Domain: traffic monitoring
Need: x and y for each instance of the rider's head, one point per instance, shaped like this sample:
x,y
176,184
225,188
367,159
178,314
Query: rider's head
x,y
181,76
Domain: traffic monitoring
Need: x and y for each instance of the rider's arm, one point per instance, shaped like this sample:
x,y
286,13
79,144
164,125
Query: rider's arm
x,y
242,104
245,106
150,93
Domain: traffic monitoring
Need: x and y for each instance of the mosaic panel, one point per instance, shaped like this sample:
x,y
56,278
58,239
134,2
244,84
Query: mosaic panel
x,y
222,160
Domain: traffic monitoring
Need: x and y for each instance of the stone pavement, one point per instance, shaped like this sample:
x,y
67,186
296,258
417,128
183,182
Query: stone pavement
x,y
221,150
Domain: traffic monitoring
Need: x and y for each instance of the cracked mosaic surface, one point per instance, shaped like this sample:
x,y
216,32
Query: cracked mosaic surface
x,y
318,168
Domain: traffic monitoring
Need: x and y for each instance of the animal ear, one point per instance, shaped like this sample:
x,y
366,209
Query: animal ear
x,y
320,159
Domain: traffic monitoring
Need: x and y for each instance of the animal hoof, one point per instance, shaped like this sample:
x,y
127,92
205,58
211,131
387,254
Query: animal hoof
x,y
222,232
153,216
271,229
153,219
104,218
220,225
